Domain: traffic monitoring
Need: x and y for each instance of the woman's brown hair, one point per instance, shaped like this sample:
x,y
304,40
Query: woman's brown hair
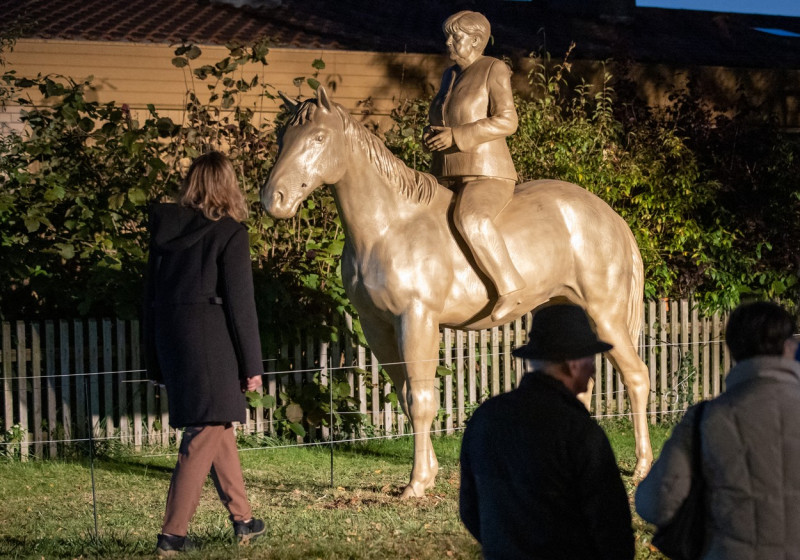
x,y
211,187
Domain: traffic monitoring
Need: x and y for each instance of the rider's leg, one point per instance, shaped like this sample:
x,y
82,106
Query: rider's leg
x,y
479,202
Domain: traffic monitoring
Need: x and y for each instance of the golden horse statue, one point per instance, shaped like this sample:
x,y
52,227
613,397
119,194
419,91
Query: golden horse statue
x,y
407,272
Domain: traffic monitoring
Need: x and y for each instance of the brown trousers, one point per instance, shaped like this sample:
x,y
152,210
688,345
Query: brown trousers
x,y
205,449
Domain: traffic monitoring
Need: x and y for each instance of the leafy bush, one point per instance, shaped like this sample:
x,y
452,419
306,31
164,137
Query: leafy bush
x,y
78,182
713,222
711,199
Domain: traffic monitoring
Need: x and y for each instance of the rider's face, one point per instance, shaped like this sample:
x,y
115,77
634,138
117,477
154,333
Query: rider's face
x,y
461,46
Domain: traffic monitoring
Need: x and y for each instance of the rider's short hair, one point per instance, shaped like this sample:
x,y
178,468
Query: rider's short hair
x,y
472,23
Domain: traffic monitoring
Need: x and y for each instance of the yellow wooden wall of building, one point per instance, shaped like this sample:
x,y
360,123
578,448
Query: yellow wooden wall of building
x,y
141,73
138,74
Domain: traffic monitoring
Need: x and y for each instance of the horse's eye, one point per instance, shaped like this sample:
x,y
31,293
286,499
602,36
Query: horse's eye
x,y
320,137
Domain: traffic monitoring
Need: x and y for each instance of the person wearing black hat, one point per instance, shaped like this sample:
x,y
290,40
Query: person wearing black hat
x,y
538,475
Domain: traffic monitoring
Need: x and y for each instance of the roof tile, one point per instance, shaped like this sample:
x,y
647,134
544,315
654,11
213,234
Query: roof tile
x,y
649,35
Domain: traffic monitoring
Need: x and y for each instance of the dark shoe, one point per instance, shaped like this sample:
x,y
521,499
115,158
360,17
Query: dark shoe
x,y
170,545
248,531
506,305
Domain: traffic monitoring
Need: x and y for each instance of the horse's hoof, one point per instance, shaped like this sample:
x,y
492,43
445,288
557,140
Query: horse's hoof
x,y
413,490
641,470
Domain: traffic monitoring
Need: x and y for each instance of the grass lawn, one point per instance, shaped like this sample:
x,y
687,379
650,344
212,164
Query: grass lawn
x,y
46,507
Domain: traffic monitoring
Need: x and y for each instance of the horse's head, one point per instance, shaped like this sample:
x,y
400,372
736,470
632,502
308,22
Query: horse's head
x,y
311,155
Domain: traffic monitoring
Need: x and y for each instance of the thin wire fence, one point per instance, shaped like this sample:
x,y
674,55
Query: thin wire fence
x,y
69,382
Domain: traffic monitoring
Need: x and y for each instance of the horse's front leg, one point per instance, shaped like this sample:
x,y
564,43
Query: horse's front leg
x,y
418,341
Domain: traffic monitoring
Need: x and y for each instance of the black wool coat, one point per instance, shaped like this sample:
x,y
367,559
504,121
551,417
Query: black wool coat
x,y
539,479
200,324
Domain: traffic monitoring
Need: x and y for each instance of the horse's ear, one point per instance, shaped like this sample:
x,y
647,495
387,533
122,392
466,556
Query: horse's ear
x,y
291,104
323,100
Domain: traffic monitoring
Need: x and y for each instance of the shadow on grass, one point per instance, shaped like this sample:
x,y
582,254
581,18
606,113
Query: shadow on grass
x,y
123,465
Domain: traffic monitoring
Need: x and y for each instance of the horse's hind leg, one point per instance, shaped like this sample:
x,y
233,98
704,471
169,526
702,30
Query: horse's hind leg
x,y
625,358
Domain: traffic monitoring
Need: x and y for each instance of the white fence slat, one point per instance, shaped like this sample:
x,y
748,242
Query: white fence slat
x,y
50,373
36,387
141,389
122,382
460,379
8,374
22,390
448,381
66,380
107,378
472,368
651,339
94,382
60,377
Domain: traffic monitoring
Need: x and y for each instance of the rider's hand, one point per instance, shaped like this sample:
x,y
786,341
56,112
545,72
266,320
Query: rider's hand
x,y
439,138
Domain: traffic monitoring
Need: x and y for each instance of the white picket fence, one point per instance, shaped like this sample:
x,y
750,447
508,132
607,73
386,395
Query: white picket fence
x,y
67,381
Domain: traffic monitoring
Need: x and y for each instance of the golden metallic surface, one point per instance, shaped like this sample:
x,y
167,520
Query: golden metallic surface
x,y
407,274
470,118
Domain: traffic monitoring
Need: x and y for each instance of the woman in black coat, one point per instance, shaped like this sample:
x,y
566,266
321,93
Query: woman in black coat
x,y
202,340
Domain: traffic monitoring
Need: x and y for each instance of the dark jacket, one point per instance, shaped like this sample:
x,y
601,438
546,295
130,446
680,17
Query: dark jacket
x,y
539,479
201,329
750,439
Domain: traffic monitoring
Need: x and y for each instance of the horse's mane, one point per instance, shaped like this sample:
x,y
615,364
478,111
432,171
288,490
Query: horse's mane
x,y
415,185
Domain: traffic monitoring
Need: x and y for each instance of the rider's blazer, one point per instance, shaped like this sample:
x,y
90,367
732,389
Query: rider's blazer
x,y
478,104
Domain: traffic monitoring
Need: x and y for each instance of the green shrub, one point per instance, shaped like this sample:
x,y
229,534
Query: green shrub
x,y
673,176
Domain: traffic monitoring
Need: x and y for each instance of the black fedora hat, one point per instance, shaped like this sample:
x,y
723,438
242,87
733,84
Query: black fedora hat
x,y
561,332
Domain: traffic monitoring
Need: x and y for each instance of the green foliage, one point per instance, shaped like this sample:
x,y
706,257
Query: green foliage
x,y
677,177
303,406
80,177
11,442
73,202
755,165
647,174
711,199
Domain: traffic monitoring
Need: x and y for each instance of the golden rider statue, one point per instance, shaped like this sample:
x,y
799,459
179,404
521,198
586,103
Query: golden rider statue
x,y
470,118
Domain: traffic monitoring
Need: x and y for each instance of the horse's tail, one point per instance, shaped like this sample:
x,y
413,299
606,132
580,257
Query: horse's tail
x,y
636,295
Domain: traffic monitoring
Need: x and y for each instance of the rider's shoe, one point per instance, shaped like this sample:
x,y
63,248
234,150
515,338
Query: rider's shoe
x,y
506,305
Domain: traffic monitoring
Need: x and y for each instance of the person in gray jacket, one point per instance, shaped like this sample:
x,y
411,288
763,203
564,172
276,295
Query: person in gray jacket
x,y
750,441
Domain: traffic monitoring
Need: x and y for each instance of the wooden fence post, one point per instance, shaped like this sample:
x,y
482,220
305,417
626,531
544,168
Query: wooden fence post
x,y
92,375
143,388
495,338
22,390
8,374
460,380
696,328
376,390
122,383
80,380
65,380
36,386
107,378
472,369
683,350
50,372
650,340
448,381
716,354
